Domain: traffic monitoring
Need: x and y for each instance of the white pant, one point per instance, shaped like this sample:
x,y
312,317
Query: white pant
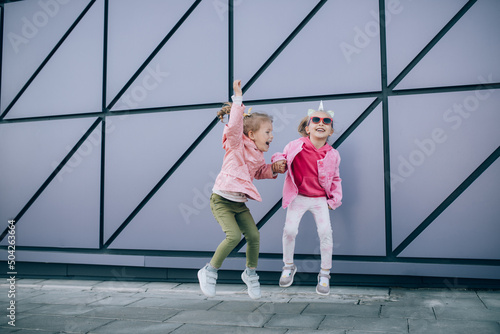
x,y
319,208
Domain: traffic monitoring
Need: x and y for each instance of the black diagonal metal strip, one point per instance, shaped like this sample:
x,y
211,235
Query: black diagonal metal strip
x,y
103,128
432,43
154,53
230,56
283,45
102,182
46,60
51,118
325,97
383,45
446,89
103,114
105,55
53,175
387,171
261,223
385,130
337,143
448,201
162,181
356,123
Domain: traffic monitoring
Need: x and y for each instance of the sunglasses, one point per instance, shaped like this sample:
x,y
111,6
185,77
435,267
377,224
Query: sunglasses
x,y
325,120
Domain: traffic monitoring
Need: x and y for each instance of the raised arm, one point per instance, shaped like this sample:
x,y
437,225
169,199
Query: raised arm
x,y
234,128
237,88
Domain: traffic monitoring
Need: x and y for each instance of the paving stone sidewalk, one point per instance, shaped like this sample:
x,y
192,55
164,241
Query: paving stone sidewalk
x,y
113,307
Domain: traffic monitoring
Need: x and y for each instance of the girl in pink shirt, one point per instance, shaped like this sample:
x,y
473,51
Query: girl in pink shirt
x,y
245,138
311,184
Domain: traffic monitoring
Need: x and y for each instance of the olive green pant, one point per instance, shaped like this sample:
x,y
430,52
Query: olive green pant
x,y
235,219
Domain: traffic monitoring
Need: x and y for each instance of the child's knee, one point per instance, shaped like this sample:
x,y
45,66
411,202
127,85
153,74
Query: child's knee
x,y
233,239
253,236
325,231
290,232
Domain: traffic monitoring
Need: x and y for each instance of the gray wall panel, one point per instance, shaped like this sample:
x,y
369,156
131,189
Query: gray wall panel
x,y
67,213
476,237
314,63
29,153
140,149
436,137
178,217
359,224
144,27
411,25
31,30
71,81
270,28
191,68
474,46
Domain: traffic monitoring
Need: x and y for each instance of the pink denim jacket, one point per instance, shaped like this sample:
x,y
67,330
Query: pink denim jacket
x,y
328,174
243,161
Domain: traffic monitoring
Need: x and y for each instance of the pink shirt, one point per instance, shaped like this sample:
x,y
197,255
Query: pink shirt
x,y
305,169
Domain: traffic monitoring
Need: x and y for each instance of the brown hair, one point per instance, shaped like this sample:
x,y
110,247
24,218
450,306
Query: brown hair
x,y
251,122
225,110
302,126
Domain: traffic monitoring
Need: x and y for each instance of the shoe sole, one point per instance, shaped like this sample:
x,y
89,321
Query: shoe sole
x,y
291,282
201,287
248,288
321,293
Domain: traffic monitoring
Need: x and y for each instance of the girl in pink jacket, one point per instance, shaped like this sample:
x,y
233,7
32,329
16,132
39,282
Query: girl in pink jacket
x,y
312,183
245,138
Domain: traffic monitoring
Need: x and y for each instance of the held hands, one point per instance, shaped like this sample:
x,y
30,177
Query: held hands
x,y
237,88
279,166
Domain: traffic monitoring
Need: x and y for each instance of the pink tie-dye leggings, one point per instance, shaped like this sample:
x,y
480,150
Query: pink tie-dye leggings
x,y
295,211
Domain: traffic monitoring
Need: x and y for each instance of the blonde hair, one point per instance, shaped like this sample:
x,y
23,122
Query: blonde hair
x,y
251,122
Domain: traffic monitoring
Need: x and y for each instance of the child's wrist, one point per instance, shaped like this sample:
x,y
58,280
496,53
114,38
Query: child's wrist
x,y
237,99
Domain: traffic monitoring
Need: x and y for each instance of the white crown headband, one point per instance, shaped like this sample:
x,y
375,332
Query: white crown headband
x,y
311,111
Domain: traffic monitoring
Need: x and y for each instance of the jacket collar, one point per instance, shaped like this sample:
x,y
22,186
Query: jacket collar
x,y
307,141
249,143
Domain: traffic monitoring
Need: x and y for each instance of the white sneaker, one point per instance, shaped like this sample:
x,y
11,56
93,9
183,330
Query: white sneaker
x,y
207,281
253,285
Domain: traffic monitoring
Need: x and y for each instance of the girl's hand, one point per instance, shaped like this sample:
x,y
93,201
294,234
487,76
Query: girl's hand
x,y
279,166
237,88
